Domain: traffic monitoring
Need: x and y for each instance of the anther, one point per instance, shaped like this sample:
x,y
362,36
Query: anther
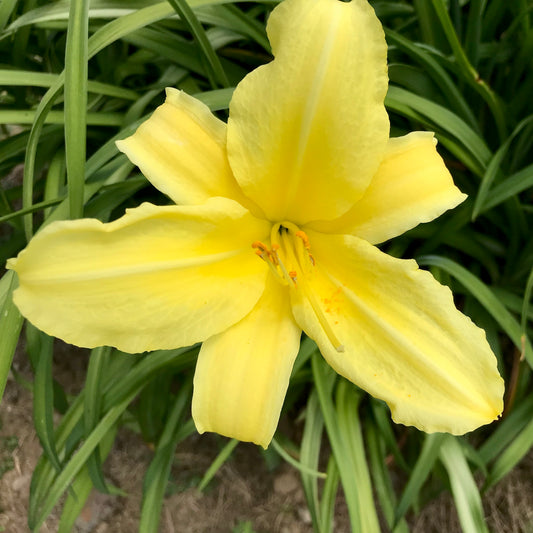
x,y
263,252
260,246
302,235
294,276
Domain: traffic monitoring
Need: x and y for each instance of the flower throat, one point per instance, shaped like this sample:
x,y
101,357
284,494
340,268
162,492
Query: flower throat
x,y
292,263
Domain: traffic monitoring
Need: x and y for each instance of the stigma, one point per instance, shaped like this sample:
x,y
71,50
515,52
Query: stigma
x,y
290,259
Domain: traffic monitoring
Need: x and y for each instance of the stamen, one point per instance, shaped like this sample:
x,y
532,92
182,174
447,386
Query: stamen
x,y
259,245
302,235
270,257
305,239
284,248
294,276
286,275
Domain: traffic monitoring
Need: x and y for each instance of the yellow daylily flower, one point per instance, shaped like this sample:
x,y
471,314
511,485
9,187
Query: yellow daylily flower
x,y
274,232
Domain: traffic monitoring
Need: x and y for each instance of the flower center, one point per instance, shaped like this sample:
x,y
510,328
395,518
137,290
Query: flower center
x,y
289,256
291,261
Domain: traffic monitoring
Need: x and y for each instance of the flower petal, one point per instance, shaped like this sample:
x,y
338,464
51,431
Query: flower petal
x,y
307,131
158,278
412,185
181,149
404,340
242,374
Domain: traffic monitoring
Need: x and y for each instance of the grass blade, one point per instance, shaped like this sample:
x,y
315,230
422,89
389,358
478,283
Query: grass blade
x,y
349,426
299,466
381,477
464,488
6,9
71,469
309,456
486,298
344,434
424,464
46,79
438,74
10,325
459,137
214,69
470,74
215,466
82,487
156,478
511,455
43,397
329,493
92,410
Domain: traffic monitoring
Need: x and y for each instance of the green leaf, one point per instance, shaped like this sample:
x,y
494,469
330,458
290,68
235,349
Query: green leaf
x,y
58,117
515,184
10,325
464,488
309,456
92,408
439,75
217,463
511,455
215,72
10,77
469,73
76,463
76,73
329,494
485,297
452,131
43,396
507,430
350,429
382,478
492,171
342,425
82,487
158,472
422,469
527,306
293,462
7,7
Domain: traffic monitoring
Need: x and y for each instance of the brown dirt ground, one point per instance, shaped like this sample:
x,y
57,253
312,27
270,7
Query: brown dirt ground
x,y
244,490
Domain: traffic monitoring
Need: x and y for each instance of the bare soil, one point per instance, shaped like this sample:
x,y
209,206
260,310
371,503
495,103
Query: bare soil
x,y
243,491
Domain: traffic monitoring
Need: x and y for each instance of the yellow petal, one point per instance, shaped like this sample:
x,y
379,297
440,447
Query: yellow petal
x,y
307,131
181,149
242,374
157,278
412,185
404,340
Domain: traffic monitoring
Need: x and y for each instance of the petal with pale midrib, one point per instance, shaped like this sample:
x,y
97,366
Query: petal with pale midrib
x,y
307,132
157,278
243,373
404,341
181,149
412,185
